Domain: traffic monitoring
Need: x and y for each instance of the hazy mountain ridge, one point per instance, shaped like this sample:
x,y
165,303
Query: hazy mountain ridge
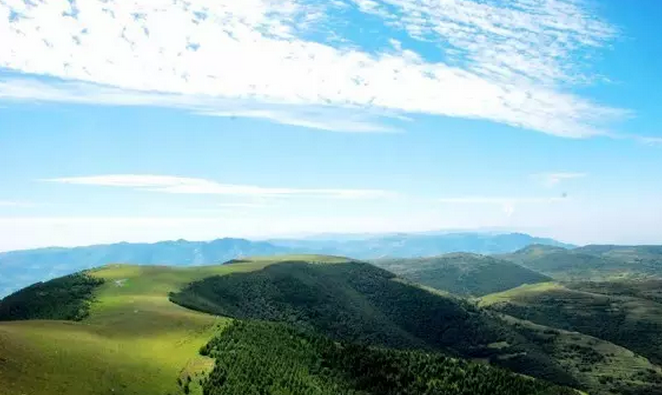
x,y
21,268
417,245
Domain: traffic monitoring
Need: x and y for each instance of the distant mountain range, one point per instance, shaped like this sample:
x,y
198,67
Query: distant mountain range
x,y
413,245
21,268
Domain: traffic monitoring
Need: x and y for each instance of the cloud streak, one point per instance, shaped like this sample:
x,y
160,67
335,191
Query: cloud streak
x,y
200,186
498,200
13,203
550,180
507,62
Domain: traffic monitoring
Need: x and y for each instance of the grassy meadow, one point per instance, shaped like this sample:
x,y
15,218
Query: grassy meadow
x,y
135,341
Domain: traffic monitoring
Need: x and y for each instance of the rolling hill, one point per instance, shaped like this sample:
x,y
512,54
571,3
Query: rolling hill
x,y
590,262
134,341
463,273
356,302
325,323
614,311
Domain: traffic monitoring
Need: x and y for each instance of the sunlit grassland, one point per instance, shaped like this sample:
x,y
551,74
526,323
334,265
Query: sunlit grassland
x,y
135,340
509,295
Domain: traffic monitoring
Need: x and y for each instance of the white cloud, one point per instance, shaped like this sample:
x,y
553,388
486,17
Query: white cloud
x,y
199,186
508,62
550,180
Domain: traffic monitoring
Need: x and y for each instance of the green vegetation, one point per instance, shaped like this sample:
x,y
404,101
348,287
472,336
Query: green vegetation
x,y
64,298
260,357
134,341
337,326
357,302
350,301
650,289
619,317
591,262
463,274
601,367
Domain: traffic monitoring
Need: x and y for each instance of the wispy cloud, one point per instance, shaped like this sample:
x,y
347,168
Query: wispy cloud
x,y
508,62
498,200
244,205
200,186
13,203
651,140
550,180
314,117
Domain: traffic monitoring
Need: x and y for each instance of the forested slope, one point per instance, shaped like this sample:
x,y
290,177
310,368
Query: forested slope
x,y
463,274
260,357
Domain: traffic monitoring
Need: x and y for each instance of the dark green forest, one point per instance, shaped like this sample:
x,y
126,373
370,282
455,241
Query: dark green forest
x,y
359,303
271,358
64,298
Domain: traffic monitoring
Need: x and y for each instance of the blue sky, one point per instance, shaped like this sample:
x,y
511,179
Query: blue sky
x,y
149,120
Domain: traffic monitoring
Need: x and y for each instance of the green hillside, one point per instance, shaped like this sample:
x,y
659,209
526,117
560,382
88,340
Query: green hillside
x,y
64,298
463,274
134,341
259,357
611,311
601,367
341,318
361,303
593,262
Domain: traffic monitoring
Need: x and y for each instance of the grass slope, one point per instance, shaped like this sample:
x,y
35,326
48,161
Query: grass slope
x,y
463,274
134,340
591,262
601,367
591,308
261,357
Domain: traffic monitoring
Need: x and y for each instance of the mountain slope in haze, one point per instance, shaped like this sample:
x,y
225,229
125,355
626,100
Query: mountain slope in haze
x,y
416,245
462,273
21,268
590,262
